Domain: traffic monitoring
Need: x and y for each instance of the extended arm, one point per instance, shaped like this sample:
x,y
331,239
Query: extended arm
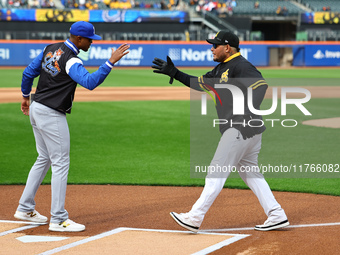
x,y
78,73
168,68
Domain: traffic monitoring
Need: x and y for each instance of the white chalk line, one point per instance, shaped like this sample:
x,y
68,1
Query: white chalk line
x,y
22,222
207,250
30,225
290,226
235,238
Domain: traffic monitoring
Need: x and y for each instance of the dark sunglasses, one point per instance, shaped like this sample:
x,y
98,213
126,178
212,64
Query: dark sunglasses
x,y
216,45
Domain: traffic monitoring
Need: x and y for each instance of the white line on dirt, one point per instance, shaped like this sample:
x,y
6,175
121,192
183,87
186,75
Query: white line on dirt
x,y
22,222
207,250
17,230
291,226
31,225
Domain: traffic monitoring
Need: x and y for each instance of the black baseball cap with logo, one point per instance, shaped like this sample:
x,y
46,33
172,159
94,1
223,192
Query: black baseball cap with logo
x,y
224,38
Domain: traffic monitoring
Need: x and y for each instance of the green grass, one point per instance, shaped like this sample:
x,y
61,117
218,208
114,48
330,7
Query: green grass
x,y
148,143
120,77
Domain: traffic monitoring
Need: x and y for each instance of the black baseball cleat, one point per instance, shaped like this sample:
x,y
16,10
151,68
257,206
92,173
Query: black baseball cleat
x,y
184,221
269,225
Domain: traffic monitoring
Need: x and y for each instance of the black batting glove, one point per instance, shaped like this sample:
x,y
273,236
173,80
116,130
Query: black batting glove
x,y
165,67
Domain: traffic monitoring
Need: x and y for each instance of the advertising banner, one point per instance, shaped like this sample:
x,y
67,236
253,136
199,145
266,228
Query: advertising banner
x,y
320,18
322,55
21,54
182,54
55,15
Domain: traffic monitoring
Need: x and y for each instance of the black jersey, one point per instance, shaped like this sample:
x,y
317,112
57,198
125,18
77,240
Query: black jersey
x,y
237,71
55,87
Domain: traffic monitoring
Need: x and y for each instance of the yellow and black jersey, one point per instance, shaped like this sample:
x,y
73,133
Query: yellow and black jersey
x,y
236,71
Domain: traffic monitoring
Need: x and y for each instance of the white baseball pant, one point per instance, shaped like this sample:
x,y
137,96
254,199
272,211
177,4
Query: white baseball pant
x,y
233,150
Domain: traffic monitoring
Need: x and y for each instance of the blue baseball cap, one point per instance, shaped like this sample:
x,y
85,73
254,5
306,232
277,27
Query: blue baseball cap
x,y
84,29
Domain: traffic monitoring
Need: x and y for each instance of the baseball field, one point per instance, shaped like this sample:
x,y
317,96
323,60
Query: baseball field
x,y
130,166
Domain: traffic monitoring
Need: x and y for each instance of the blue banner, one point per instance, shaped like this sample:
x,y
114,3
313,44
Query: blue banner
x,y
129,15
138,16
17,15
322,55
21,54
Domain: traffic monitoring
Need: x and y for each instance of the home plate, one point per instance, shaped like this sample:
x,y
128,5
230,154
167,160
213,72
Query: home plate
x,y
33,238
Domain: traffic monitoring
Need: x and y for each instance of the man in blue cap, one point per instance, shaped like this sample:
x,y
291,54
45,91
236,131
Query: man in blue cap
x,y
60,71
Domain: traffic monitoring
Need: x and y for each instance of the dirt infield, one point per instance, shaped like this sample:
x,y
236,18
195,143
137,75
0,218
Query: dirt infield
x,y
12,95
104,208
122,219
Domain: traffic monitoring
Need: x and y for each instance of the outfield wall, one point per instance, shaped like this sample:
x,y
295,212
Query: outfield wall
x,y
21,52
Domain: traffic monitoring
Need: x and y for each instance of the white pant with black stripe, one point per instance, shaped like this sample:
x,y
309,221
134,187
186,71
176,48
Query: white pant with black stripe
x,y
234,151
52,139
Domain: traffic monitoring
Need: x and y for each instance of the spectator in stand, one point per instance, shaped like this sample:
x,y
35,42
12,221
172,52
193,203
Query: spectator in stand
x,y
156,5
50,4
210,6
114,4
71,4
92,5
193,2
16,3
279,11
230,10
284,11
163,5
200,5
107,3
35,4
82,4
257,5
225,9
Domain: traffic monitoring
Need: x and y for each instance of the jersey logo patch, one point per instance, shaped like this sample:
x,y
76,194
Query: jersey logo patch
x,y
50,63
224,76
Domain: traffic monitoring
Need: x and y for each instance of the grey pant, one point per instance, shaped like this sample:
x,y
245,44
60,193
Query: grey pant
x,y
52,139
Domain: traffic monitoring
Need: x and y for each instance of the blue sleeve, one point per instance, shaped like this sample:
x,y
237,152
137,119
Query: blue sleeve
x,y
79,74
30,72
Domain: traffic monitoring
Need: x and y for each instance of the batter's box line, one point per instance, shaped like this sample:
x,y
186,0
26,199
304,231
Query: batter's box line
x,y
291,226
30,225
235,238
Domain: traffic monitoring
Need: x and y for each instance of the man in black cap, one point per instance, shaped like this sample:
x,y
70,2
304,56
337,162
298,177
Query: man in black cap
x,y
60,71
240,142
